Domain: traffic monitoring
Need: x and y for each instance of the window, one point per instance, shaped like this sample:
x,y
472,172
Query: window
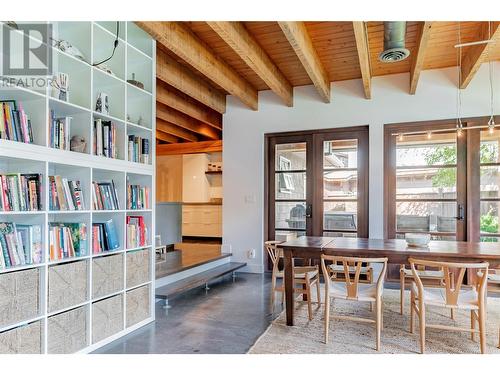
x,y
489,185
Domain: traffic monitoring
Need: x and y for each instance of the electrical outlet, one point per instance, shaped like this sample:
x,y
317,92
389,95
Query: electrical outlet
x,y
251,253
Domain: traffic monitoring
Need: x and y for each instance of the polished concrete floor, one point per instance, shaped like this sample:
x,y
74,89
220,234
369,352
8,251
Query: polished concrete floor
x,y
226,319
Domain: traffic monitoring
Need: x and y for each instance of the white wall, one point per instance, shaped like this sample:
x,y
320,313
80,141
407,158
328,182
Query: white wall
x,y
244,129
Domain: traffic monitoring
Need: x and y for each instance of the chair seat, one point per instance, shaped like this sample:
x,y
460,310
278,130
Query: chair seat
x,y
301,272
366,292
467,299
340,268
494,278
427,274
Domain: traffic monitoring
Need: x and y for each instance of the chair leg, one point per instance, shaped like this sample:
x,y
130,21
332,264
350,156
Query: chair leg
x,y
327,317
452,313
273,292
402,291
371,306
472,324
318,292
308,293
412,312
482,328
421,320
379,321
498,337
283,297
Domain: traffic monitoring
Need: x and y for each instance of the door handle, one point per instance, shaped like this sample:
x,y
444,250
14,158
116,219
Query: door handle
x,y
460,212
309,211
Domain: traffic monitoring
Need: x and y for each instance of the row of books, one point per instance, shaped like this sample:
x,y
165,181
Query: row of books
x,y
104,237
67,240
138,197
105,196
20,245
105,141
20,192
137,232
15,124
65,195
138,149
60,132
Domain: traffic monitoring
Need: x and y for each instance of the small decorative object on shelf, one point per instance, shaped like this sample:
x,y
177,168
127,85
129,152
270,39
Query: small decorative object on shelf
x,y
70,49
20,245
104,237
15,124
20,192
215,167
60,132
65,195
138,197
78,144
67,240
105,69
102,103
105,196
105,139
136,83
60,86
137,232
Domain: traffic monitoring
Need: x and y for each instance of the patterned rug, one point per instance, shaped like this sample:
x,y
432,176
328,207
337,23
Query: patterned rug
x,y
306,337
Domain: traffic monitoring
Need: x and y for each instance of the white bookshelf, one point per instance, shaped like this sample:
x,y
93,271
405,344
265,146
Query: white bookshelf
x,y
135,54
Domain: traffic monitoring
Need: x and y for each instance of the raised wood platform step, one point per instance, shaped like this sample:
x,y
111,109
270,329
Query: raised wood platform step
x,y
191,282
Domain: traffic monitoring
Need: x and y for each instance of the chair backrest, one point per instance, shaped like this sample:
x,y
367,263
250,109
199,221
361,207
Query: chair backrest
x,y
275,253
454,274
348,262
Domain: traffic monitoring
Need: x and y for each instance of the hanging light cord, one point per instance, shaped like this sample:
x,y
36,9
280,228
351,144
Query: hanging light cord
x,y
115,44
459,91
491,122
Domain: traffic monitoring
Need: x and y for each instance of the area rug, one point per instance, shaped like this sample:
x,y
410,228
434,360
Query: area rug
x,y
306,337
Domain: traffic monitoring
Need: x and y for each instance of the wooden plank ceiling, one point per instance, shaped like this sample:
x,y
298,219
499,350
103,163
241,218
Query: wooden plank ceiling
x,y
199,63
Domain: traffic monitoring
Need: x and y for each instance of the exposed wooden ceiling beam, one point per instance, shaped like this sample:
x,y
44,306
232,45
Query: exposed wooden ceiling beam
x,y
180,119
184,43
173,99
477,54
417,61
299,39
166,137
180,77
169,128
244,44
363,56
189,148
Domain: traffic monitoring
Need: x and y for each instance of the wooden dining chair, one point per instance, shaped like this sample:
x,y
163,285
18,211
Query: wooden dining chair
x,y
306,276
494,279
352,290
451,295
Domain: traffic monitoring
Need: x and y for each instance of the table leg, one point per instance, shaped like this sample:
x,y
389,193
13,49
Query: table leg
x,y
289,306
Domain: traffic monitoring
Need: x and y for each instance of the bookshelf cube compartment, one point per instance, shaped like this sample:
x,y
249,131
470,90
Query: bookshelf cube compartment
x,y
139,39
79,79
110,27
115,91
34,105
22,340
143,181
138,131
120,136
103,45
107,317
138,305
146,217
78,34
19,296
107,275
68,331
68,285
118,223
139,107
75,174
139,68
118,179
79,233
138,267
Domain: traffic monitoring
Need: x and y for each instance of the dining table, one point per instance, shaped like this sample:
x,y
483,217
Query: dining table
x,y
396,250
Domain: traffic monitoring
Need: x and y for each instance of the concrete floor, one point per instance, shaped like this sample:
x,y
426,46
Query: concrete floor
x,y
225,320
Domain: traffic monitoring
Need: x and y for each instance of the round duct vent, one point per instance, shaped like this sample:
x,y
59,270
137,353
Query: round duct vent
x,y
394,55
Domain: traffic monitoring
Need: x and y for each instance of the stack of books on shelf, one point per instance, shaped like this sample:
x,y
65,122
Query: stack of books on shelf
x,y
104,237
105,196
15,124
60,132
137,232
138,149
20,245
138,197
20,192
65,195
105,139
67,240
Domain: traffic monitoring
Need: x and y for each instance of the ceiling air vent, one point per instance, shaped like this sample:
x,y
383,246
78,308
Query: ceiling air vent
x,y
394,42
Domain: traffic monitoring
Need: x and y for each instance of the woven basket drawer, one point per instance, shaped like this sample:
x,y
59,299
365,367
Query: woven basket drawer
x,y
107,317
67,285
19,296
138,269
22,340
137,305
67,332
107,275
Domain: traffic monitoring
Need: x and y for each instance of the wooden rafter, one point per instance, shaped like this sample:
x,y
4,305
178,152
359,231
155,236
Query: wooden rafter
x,y
170,71
174,99
417,61
299,39
363,56
180,119
476,55
166,127
189,148
184,43
244,44
166,137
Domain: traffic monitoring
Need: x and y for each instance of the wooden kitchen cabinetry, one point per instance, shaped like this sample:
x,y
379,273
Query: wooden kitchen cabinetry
x,y
202,220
